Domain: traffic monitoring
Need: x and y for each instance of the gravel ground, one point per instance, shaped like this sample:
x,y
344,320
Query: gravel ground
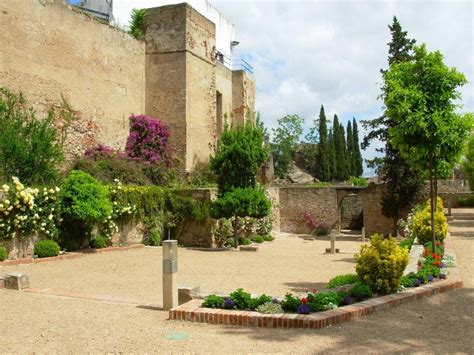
x,y
288,264
39,323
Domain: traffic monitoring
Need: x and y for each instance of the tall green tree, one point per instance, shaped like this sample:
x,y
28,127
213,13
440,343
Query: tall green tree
x,y
342,170
323,147
285,141
357,156
468,161
420,96
350,149
332,156
403,181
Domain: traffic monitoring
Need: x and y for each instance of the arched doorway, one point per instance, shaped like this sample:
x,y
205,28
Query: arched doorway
x,y
351,212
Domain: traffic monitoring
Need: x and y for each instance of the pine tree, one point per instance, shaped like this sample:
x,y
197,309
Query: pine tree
x,y
350,149
323,148
403,183
357,156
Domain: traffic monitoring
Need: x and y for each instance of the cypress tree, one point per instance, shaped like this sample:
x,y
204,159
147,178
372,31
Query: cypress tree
x,y
340,149
350,149
323,148
403,183
357,156
332,156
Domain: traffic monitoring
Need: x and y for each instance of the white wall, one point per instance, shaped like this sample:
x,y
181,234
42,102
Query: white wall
x,y
121,10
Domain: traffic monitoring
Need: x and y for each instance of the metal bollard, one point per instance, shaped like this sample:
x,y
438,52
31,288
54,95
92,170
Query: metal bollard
x,y
170,268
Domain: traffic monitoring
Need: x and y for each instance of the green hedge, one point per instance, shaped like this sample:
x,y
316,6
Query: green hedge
x,y
467,201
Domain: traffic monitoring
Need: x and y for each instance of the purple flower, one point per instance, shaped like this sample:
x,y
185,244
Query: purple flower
x,y
417,282
102,150
430,278
228,303
303,309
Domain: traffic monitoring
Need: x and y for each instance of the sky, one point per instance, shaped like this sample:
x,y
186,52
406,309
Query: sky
x,y
312,53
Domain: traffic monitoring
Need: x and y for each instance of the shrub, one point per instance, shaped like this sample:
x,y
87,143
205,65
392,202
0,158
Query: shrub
x,y
258,239
46,248
84,202
269,308
245,241
290,303
256,302
153,233
137,22
360,291
421,225
268,237
439,205
381,264
3,253
341,280
213,301
30,146
241,298
467,201
323,301
99,242
358,181
241,202
222,232
148,140
407,243
264,225
408,280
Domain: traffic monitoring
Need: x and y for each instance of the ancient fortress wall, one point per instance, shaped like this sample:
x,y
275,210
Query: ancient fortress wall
x,y
48,50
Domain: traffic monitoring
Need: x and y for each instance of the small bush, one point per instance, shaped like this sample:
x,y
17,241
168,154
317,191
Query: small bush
x,y
341,280
3,253
99,242
407,243
258,301
323,301
223,232
46,248
381,264
241,298
269,308
153,233
268,237
241,202
422,226
258,239
360,291
408,280
467,201
245,241
213,301
359,181
137,22
290,303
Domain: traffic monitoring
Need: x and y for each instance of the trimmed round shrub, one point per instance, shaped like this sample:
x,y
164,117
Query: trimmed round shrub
x,y
268,237
381,264
241,202
3,253
245,241
258,239
46,248
421,225
99,242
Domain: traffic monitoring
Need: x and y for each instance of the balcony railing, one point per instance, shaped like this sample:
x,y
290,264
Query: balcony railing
x,y
236,64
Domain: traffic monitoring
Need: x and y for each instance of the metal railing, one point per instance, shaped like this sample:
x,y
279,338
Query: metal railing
x,y
236,64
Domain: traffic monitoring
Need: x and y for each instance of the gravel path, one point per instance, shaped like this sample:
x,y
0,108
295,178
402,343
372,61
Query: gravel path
x,y
32,322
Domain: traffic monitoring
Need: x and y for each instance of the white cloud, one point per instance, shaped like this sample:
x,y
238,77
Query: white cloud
x,y
330,52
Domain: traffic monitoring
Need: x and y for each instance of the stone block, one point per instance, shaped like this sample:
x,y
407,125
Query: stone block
x,y
186,294
328,251
17,281
248,248
2,281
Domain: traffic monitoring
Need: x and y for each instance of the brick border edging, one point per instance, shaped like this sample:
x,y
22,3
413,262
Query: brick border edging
x,y
72,255
193,312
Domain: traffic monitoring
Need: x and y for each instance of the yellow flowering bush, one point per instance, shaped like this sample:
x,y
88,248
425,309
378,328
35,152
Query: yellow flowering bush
x,y
421,225
381,264
26,210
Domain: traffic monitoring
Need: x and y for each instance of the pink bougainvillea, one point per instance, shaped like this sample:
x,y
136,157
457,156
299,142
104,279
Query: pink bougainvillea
x,y
148,140
102,150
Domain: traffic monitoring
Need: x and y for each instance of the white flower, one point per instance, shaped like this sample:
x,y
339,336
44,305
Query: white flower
x,y
5,188
57,189
50,217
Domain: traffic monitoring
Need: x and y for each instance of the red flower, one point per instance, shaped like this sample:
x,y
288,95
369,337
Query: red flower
x,y
315,291
304,300
437,263
435,256
438,243
427,252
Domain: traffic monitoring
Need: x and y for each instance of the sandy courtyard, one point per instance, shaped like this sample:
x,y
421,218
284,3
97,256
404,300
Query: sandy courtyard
x,y
41,323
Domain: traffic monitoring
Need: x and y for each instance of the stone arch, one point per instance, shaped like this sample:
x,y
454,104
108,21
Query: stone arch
x,y
353,195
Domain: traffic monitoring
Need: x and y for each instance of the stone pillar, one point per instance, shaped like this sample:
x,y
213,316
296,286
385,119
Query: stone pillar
x,y
333,242
180,86
243,96
363,234
170,268
449,204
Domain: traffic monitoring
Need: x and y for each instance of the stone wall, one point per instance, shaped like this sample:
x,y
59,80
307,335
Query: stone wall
x,y
48,51
321,202
243,96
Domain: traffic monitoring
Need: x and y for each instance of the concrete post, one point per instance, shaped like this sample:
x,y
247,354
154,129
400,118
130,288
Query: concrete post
x,y
363,234
170,268
449,204
333,242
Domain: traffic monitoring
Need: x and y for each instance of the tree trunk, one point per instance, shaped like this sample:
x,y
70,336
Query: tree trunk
x,y
432,204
